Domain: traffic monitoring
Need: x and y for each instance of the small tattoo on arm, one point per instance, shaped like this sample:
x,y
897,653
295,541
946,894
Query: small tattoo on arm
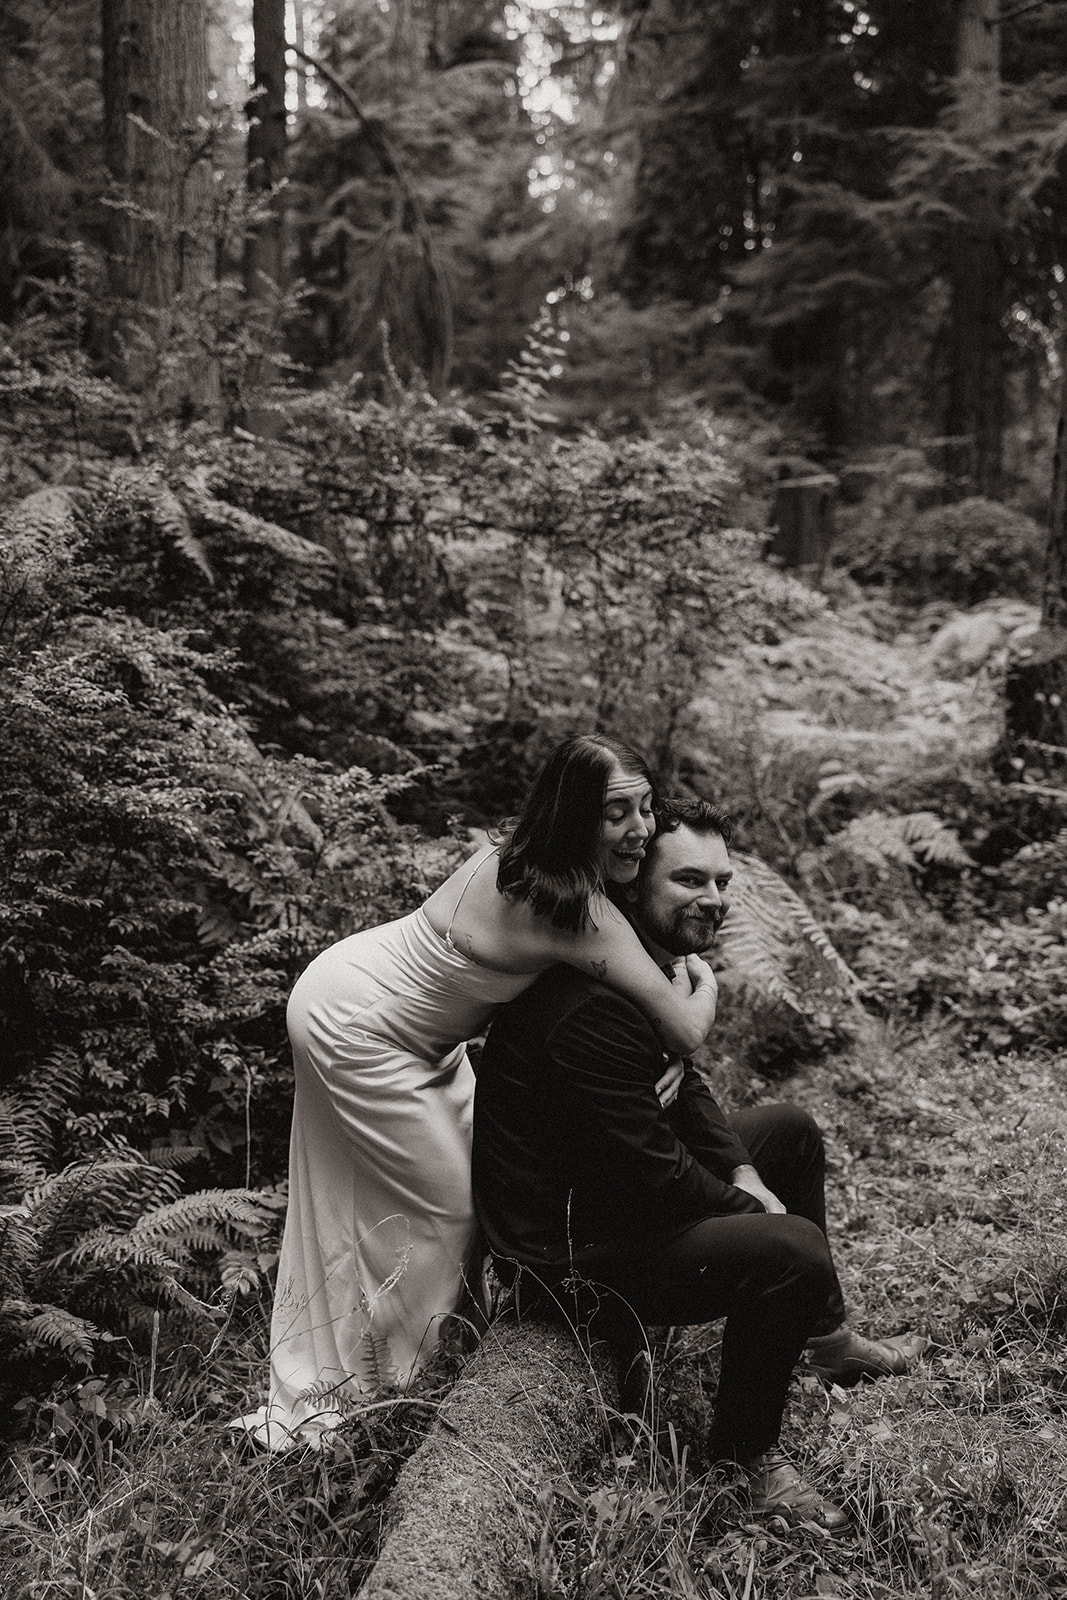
x,y
600,968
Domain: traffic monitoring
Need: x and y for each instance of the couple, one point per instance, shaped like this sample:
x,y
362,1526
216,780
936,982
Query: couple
x,y
578,1167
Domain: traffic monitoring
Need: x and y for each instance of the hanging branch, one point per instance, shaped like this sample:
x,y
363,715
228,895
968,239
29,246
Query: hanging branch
x,y
382,147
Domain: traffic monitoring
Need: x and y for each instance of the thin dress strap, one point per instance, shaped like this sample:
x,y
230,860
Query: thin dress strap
x,y
470,879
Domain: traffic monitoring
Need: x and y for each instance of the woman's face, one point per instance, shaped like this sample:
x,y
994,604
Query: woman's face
x,y
626,825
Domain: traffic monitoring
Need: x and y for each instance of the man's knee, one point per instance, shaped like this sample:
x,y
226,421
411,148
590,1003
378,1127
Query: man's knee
x,y
781,1135
799,1248
797,1125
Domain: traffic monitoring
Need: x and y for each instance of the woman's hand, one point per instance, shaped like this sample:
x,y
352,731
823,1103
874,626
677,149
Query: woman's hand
x,y
668,1086
680,975
700,974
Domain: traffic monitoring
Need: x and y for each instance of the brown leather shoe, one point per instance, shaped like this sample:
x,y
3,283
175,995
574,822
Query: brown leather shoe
x,y
847,1358
776,1489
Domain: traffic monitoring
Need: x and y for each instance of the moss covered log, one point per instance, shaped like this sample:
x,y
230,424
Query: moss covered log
x,y
464,1519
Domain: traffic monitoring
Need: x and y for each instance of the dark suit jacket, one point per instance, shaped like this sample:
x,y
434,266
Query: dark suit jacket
x,y
572,1151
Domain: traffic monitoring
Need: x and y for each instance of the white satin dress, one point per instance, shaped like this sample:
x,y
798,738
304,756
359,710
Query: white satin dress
x,y
380,1222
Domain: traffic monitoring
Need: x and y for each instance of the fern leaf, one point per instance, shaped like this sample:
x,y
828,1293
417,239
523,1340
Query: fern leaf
x,y
219,514
205,1238
875,839
768,921
170,1156
105,1247
46,518
933,840
881,840
60,1201
166,513
36,1108
234,1207
50,1325
19,1248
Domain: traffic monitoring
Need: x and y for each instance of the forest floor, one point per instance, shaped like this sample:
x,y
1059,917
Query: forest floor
x,y
948,1211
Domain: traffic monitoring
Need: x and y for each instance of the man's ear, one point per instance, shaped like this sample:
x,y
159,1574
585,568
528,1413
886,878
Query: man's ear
x,y
629,894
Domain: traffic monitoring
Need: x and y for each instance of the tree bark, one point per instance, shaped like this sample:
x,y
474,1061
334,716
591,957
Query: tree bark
x,y
157,149
974,412
1054,593
1035,735
465,1515
264,260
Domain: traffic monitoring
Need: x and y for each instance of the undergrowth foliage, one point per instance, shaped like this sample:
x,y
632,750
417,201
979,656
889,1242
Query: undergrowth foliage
x,y
250,697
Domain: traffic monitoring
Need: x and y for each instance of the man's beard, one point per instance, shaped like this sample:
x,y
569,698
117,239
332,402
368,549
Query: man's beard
x,y
688,933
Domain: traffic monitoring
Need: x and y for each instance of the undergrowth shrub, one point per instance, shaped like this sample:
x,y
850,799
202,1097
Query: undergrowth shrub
x,y
963,553
999,983
162,880
91,1255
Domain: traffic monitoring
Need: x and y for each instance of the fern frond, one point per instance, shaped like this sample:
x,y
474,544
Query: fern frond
x,y
933,840
205,1239
39,1325
171,1156
20,1164
881,840
876,840
768,921
19,1248
61,1205
36,1108
220,515
105,1247
379,1359
167,514
241,1208
46,518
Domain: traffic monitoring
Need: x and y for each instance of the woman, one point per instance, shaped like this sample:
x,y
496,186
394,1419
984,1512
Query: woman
x,y
380,1225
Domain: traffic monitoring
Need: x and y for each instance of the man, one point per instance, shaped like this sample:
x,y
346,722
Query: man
x,y
582,1177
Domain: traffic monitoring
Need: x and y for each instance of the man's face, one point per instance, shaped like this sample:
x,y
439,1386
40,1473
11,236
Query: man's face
x,y
682,893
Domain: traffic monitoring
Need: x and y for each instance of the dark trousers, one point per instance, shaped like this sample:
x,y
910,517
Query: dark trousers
x,y
771,1277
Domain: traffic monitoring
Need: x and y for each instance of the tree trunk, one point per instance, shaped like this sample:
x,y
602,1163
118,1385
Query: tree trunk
x,y
974,414
1054,595
465,1517
160,256
264,261
300,40
804,522
1035,740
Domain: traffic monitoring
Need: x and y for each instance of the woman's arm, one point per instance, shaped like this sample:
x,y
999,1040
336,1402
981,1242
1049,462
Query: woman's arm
x,y
681,1013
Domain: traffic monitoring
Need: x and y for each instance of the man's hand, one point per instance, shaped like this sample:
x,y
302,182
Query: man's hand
x,y
748,1179
668,1086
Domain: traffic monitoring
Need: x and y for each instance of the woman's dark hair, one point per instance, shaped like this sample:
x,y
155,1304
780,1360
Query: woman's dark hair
x,y
549,856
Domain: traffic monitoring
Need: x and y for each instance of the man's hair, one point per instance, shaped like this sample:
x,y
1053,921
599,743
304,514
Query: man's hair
x,y
549,855
700,815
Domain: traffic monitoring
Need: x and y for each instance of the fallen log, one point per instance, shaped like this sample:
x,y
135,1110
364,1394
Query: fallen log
x,y
464,1519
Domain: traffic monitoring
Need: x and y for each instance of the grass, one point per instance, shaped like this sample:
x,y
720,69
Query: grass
x,y
120,1495
952,1222
949,1213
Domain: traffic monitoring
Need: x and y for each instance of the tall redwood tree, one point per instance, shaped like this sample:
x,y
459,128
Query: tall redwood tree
x,y
264,262
157,149
976,336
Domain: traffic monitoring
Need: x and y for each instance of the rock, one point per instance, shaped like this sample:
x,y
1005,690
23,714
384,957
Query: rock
x,y
970,640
